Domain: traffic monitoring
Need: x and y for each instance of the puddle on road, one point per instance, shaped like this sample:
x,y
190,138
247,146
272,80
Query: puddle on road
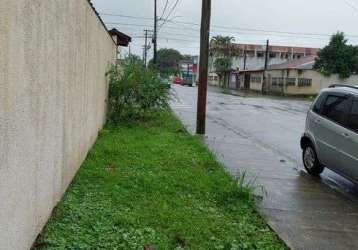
x,y
334,181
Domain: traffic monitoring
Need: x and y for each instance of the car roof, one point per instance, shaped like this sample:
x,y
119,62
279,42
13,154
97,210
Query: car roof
x,y
342,88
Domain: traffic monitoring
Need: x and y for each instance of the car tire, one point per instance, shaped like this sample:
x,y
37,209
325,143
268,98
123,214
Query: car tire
x,y
310,161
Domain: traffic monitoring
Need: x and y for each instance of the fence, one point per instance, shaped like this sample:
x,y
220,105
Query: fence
x,y
53,59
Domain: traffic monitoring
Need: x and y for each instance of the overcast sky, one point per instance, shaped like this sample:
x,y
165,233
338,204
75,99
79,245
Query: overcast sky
x,y
284,22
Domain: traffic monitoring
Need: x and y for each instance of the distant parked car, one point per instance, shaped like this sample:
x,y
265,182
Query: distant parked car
x,y
178,80
165,81
331,135
187,80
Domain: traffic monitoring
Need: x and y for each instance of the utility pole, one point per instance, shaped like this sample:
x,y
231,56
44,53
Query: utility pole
x,y
267,53
203,66
143,57
264,82
245,58
155,33
145,48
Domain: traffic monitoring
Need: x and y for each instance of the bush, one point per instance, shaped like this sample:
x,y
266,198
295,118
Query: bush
x,y
134,91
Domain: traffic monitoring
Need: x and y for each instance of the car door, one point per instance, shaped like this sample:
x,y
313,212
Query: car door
x,y
349,143
313,122
329,129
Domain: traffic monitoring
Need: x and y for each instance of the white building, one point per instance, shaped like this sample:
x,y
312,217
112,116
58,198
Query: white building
x,y
252,57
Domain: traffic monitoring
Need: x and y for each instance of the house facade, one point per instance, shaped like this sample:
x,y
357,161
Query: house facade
x,y
252,56
296,77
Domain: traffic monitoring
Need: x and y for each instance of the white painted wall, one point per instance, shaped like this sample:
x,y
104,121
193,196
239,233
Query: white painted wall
x,y
213,79
53,59
256,86
319,81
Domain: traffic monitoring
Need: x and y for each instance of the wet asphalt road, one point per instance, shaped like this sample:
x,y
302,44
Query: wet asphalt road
x,y
260,135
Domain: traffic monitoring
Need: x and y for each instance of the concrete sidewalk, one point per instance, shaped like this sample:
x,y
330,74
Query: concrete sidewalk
x,y
305,212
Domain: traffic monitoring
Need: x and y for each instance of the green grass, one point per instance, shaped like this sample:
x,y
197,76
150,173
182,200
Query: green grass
x,y
153,184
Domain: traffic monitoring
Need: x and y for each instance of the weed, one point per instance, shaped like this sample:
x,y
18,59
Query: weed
x,y
167,192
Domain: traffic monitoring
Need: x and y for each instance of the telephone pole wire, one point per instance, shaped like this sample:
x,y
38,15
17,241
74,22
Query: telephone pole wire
x,y
203,66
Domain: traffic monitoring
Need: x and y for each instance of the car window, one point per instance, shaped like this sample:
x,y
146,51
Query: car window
x,y
318,103
353,117
336,108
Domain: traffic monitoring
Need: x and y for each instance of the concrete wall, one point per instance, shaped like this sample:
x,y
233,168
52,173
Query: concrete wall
x,y
318,81
305,90
213,79
325,82
53,59
256,86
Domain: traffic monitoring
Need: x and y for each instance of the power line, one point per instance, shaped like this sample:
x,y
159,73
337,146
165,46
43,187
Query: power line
x,y
126,16
217,31
351,5
171,38
172,9
245,33
239,33
168,16
260,30
165,8
220,27
130,24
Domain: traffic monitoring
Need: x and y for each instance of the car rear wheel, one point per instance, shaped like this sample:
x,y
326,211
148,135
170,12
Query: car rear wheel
x,y
310,161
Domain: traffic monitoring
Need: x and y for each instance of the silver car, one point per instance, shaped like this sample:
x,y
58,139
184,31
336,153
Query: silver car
x,y
331,135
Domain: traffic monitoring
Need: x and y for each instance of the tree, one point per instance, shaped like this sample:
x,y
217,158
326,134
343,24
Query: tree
x,y
167,61
337,57
223,50
133,58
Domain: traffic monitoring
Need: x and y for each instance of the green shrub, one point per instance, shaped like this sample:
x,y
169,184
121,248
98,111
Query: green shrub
x,y
134,91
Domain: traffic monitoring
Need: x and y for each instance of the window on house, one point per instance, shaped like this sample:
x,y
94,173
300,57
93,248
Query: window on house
x,y
284,55
256,79
297,56
290,81
250,53
260,54
280,81
304,82
274,81
273,55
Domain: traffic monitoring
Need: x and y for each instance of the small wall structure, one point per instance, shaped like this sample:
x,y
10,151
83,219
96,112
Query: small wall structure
x,y
53,90
295,77
303,82
213,79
